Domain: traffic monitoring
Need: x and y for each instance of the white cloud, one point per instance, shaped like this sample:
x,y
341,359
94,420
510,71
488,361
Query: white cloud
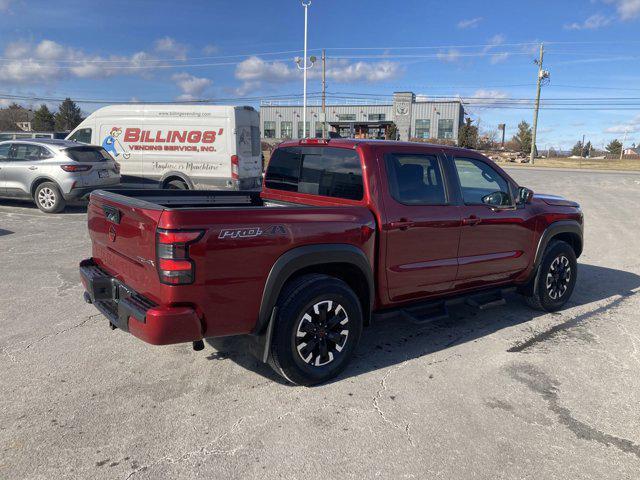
x,y
170,47
210,49
450,56
5,5
469,23
593,22
630,126
488,97
192,87
498,57
494,42
254,71
627,9
48,60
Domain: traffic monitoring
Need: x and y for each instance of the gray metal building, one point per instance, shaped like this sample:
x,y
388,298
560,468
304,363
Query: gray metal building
x,y
366,119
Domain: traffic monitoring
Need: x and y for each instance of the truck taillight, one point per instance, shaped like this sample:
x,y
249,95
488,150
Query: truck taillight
x,y
234,167
175,266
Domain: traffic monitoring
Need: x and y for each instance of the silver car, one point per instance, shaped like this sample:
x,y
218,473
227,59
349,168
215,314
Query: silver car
x,y
53,172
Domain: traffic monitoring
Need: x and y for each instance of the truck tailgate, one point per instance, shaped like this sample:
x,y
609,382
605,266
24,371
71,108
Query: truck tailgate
x,y
124,243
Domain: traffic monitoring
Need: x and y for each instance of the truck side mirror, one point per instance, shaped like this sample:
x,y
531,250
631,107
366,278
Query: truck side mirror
x,y
524,195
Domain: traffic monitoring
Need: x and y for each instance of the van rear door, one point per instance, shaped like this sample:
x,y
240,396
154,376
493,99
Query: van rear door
x,y
248,143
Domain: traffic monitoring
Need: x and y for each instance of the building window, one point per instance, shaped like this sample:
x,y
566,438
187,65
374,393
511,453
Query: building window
x,y
300,132
269,129
318,129
286,129
376,117
445,128
423,128
347,117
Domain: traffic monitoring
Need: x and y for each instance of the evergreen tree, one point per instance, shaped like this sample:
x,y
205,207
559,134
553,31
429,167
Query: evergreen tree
x,y
68,116
577,149
523,137
615,146
43,120
468,134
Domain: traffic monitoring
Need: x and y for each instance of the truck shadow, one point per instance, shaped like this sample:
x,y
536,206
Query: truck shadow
x,y
397,340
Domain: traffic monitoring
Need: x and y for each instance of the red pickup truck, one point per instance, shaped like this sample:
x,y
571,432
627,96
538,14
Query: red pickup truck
x,y
343,231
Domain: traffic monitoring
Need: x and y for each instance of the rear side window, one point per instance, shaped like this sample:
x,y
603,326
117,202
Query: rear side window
x,y
326,171
88,154
4,150
415,179
24,152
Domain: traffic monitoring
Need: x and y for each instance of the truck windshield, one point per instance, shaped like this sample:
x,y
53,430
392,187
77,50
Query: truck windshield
x,y
88,154
326,171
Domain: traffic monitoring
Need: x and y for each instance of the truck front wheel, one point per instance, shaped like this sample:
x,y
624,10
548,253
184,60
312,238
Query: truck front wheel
x,y
556,278
317,329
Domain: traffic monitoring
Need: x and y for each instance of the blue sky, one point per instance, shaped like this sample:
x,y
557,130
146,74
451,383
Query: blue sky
x,y
168,51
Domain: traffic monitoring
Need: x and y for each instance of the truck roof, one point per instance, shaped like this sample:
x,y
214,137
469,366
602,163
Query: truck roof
x,y
353,142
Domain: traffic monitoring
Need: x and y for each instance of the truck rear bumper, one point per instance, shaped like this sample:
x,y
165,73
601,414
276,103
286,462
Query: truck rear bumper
x,y
133,313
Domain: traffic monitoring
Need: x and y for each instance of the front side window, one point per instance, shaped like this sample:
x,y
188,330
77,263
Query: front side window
x,y
445,129
83,135
415,179
286,129
423,128
269,129
481,184
301,134
326,171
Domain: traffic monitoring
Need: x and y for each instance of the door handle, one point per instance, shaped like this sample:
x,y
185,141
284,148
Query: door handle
x,y
471,220
402,224
33,168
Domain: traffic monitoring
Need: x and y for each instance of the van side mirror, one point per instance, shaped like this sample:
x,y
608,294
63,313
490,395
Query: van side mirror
x,y
524,196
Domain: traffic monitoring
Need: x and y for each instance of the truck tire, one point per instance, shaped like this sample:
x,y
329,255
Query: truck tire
x,y
556,278
317,329
48,198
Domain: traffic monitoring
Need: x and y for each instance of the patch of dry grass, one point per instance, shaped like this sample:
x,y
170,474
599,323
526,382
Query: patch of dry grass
x,y
580,163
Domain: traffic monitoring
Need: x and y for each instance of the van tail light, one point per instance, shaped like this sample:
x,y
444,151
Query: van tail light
x,y
76,168
234,167
175,266
116,167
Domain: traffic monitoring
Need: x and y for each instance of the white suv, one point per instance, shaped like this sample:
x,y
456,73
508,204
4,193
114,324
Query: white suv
x,y
52,172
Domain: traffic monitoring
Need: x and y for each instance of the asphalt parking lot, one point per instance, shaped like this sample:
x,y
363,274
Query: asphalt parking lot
x,y
507,393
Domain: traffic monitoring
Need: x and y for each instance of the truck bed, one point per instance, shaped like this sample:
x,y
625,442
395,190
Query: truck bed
x,y
158,199
242,238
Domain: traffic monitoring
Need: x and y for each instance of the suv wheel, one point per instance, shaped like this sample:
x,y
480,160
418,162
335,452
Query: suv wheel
x,y
556,278
48,198
317,329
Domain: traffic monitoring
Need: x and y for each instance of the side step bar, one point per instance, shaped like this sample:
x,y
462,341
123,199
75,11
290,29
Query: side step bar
x,y
423,313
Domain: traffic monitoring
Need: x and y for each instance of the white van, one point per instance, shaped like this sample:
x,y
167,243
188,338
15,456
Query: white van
x,y
179,146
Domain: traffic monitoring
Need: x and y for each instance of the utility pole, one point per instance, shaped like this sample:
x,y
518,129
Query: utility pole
x,y
324,89
542,74
304,69
624,139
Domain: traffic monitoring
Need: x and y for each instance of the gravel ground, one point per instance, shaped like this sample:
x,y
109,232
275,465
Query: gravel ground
x,y
506,393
